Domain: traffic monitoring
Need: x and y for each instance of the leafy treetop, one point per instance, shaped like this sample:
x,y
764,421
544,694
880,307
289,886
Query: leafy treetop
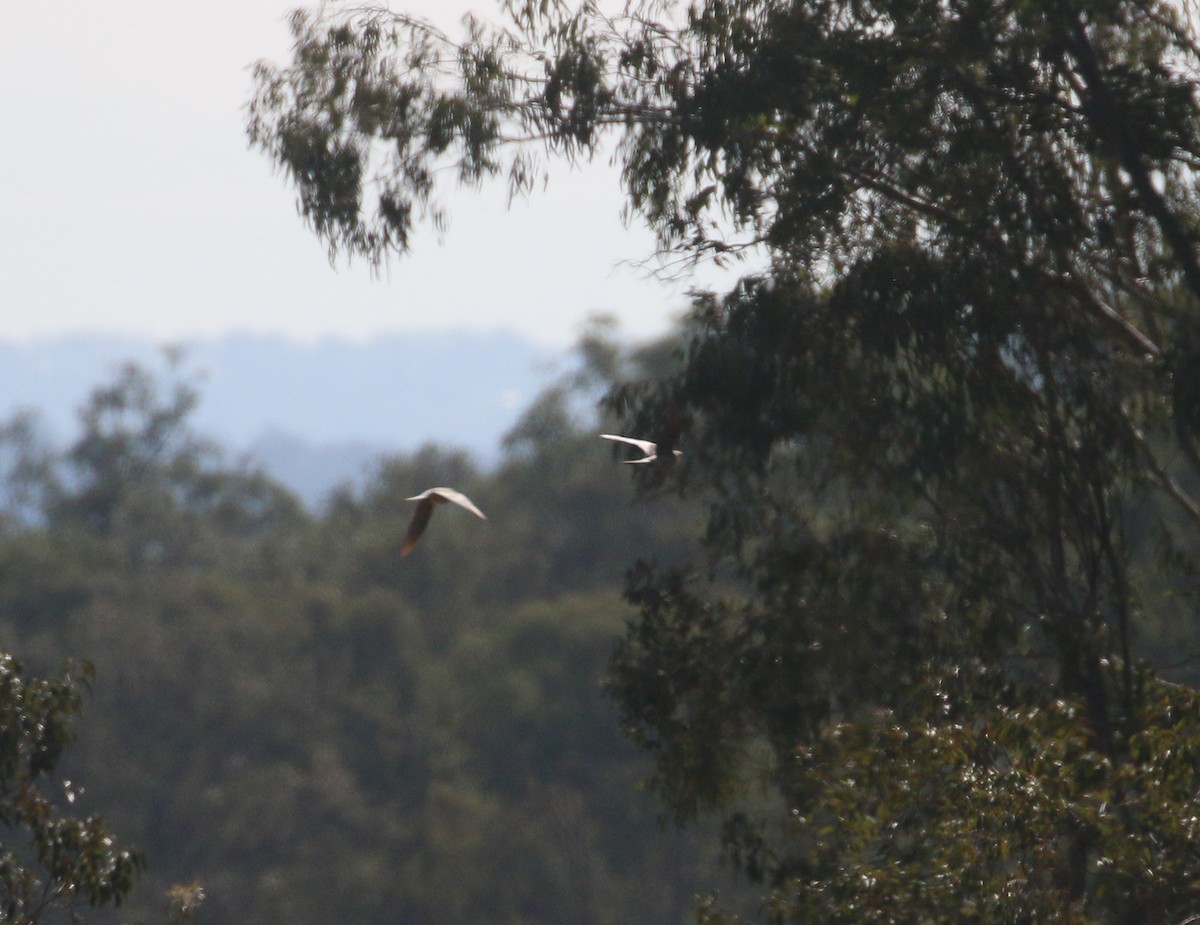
x,y
947,440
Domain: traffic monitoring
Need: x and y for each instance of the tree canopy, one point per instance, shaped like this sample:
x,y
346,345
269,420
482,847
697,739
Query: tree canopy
x,y
947,439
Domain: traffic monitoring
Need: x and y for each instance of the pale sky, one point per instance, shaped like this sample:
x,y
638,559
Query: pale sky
x,y
133,204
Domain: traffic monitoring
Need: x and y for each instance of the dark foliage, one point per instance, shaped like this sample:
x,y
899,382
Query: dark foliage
x,y
946,443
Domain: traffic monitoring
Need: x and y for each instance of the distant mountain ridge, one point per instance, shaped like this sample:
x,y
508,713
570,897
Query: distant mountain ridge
x,y
312,414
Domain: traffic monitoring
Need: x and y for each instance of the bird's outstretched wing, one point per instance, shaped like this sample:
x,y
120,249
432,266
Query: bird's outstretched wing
x,y
649,447
417,525
425,504
449,494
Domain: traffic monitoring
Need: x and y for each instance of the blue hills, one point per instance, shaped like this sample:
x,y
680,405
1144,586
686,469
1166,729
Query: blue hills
x,y
313,415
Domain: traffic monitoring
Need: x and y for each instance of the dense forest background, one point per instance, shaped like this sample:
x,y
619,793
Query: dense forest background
x,y
313,730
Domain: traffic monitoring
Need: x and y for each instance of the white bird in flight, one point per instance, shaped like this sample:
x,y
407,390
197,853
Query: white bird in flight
x,y
426,501
649,447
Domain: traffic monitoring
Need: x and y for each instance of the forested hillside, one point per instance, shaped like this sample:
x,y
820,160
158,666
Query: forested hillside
x,y
317,731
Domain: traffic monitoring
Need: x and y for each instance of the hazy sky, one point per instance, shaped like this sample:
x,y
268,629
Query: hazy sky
x,y
134,205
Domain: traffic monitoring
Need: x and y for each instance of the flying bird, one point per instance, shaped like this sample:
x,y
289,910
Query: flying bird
x,y
648,447
426,501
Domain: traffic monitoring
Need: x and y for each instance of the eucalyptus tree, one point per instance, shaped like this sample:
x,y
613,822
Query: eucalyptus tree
x,y
948,438
54,864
